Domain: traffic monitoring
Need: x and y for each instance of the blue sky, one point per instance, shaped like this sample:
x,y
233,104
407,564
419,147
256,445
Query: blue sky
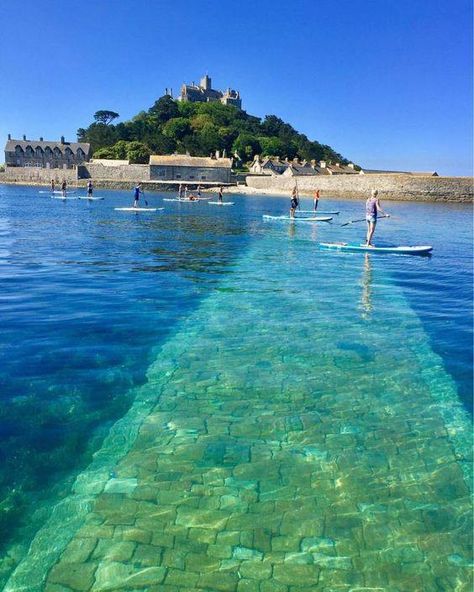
x,y
388,84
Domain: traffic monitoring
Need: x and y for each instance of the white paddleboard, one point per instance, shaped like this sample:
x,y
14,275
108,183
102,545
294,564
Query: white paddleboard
x,y
137,209
62,198
316,213
58,192
221,203
405,250
296,219
90,198
180,200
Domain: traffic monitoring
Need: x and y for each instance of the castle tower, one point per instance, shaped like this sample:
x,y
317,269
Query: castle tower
x,y
205,83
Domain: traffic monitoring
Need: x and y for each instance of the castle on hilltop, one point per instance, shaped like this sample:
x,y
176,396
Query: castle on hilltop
x,y
204,93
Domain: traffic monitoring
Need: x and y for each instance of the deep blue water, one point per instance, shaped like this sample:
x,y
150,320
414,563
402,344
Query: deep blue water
x,y
88,294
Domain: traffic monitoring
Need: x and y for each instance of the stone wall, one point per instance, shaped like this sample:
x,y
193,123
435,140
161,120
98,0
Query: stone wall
x,y
38,175
125,172
394,187
190,174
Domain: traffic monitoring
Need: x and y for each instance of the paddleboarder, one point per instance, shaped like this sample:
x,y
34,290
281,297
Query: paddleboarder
x,y
219,197
90,189
199,191
372,209
316,200
53,185
295,202
136,194
64,188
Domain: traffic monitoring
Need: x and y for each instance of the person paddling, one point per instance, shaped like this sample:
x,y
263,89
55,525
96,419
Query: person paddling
x,y
136,194
372,208
90,189
219,197
53,185
64,188
295,202
316,200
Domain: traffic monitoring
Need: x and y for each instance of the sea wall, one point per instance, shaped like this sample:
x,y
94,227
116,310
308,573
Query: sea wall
x,y
38,176
391,187
125,172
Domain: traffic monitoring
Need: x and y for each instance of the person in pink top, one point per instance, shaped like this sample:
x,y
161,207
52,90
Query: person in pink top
x,y
372,208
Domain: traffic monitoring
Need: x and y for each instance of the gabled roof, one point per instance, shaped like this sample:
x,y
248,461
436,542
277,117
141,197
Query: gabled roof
x,y
190,161
74,146
299,169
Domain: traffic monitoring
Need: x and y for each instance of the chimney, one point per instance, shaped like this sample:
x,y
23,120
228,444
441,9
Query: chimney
x,y
286,159
9,136
313,163
322,164
304,162
24,138
218,154
62,140
295,161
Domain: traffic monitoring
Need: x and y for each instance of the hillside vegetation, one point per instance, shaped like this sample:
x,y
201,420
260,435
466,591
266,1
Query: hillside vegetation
x,y
199,129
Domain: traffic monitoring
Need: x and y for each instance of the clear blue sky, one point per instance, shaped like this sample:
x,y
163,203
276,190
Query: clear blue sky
x,y
386,83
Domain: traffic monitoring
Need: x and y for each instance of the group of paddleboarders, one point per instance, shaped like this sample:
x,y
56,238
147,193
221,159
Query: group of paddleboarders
x,y
372,210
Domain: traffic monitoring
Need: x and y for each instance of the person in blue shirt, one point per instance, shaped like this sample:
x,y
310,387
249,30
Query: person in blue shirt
x,y
136,194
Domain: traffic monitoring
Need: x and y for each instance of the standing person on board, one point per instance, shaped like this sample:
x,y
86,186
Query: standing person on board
x,y
90,188
136,194
64,188
372,208
316,200
199,191
295,202
53,185
180,195
219,197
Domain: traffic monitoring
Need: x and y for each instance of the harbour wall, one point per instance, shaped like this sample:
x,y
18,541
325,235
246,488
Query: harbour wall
x,y
391,187
131,173
37,176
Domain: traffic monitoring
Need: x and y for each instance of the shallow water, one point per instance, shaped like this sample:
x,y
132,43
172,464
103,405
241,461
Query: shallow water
x,y
275,378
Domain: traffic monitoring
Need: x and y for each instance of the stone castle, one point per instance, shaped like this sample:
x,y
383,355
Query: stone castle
x,y
204,93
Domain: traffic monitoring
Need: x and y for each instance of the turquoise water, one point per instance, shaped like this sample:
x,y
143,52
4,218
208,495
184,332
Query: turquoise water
x,y
304,410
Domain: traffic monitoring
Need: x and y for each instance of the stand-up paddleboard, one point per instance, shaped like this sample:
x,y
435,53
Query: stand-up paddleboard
x,y
221,203
63,197
405,250
297,219
138,209
57,192
181,200
317,212
85,197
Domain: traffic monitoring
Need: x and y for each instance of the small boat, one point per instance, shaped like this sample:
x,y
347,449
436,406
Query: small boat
x,y
297,219
405,250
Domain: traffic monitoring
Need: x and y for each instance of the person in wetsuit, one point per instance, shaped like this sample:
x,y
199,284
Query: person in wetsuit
x,y
372,208
64,188
90,189
316,200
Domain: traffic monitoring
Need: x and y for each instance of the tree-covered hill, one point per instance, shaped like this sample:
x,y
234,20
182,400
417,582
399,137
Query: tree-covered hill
x,y
199,128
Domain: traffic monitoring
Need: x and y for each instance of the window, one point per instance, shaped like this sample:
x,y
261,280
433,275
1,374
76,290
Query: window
x,y
203,177
178,176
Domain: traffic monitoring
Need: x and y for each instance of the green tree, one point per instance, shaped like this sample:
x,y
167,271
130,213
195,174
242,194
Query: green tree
x,y
164,109
177,128
247,146
272,146
138,153
105,117
108,153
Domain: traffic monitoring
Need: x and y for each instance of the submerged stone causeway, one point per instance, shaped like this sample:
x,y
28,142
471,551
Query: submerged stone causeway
x,y
280,445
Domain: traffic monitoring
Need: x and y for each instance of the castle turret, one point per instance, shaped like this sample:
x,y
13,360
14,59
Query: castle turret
x,y
205,83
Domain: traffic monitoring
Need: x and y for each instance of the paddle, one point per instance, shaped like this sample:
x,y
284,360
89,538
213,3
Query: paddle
x,y
144,198
363,220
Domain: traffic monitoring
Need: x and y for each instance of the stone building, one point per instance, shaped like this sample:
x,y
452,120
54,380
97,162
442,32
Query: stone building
x,y
203,93
41,154
268,166
192,169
